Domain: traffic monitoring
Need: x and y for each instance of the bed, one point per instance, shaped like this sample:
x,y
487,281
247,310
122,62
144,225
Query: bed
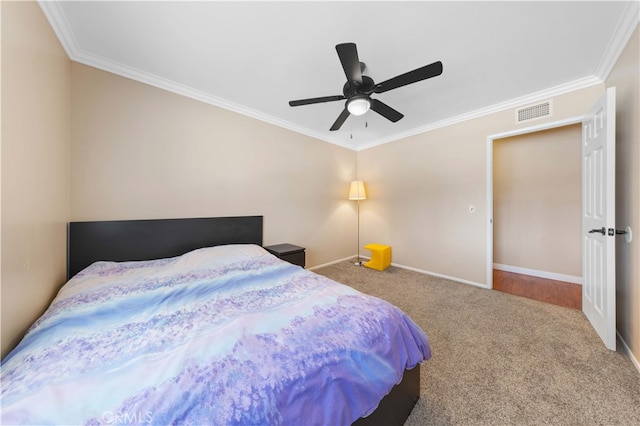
x,y
191,321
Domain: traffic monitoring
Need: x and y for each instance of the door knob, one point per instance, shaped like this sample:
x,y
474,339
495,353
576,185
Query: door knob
x,y
602,230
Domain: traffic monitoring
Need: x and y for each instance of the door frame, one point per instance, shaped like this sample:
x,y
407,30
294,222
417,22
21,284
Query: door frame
x,y
490,139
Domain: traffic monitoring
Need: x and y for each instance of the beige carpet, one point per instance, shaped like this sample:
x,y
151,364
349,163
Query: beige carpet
x,y
500,359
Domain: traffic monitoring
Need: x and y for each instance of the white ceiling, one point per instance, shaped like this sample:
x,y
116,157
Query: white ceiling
x,y
253,57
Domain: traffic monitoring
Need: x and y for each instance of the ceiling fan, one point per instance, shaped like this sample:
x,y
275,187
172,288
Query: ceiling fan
x,y
359,88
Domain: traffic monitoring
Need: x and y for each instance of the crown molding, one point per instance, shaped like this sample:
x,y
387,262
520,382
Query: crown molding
x,y
54,13
189,92
513,103
58,21
619,39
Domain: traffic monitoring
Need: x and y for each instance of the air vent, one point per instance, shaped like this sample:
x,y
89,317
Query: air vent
x,y
533,112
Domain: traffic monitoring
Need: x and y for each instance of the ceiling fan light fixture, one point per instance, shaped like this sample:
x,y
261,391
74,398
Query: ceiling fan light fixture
x,y
358,105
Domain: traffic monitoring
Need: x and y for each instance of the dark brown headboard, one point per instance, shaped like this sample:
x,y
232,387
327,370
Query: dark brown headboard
x,y
124,240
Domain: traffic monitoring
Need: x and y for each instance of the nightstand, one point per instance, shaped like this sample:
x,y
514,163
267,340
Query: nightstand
x,y
288,252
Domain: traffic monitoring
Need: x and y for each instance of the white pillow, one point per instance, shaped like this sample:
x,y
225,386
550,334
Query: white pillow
x,y
216,256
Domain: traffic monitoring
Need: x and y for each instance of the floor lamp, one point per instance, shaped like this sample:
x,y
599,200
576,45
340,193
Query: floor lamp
x,y
357,193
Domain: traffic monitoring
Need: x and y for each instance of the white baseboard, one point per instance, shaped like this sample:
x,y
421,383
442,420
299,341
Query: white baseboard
x,y
501,267
434,274
537,273
332,262
422,271
627,350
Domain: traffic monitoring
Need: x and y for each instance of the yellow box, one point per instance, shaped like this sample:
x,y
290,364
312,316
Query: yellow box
x,y
380,256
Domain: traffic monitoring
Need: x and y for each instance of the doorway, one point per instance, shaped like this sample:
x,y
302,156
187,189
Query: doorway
x,y
534,211
537,188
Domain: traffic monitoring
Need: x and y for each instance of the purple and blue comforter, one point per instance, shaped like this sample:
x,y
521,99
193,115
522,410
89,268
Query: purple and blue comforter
x,y
223,335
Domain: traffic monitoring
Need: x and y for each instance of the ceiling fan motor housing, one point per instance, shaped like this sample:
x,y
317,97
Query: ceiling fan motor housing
x,y
352,88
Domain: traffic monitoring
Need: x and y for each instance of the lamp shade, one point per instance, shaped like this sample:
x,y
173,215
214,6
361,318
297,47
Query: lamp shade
x,y
356,191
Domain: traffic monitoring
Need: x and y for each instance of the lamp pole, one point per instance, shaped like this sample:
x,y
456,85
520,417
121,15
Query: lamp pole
x,y
358,263
357,193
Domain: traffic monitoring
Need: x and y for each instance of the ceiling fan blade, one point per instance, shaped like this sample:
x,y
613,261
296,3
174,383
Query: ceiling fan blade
x,y
385,110
414,76
341,119
348,54
316,100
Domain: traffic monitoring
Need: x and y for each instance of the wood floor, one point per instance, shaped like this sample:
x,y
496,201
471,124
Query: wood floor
x,y
556,292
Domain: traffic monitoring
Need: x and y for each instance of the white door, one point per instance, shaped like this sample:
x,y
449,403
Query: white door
x,y
598,218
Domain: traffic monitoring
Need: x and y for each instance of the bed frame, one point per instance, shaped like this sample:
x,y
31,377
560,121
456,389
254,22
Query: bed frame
x,y
123,240
126,240
395,408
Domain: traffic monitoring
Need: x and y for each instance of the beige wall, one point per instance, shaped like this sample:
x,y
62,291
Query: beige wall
x,y
35,166
421,188
537,194
625,76
138,152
